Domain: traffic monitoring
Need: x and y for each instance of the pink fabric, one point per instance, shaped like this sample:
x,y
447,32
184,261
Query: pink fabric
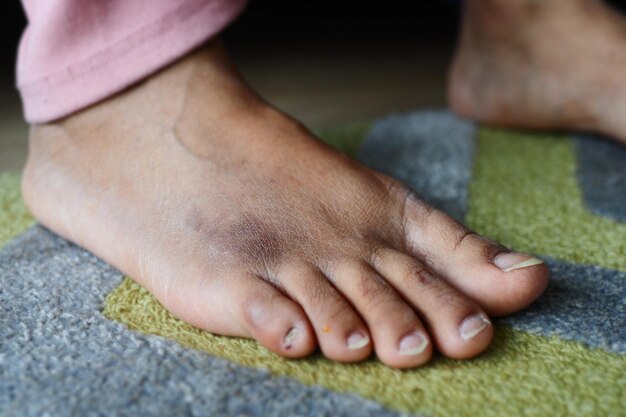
x,y
77,52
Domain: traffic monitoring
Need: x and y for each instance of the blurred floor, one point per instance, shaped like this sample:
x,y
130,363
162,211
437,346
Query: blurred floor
x,y
321,84
13,130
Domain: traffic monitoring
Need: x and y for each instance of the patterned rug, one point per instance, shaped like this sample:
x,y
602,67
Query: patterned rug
x,y
78,338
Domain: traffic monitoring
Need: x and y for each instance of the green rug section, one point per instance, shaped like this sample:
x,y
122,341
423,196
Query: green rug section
x,y
346,138
525,195
520,374
14,217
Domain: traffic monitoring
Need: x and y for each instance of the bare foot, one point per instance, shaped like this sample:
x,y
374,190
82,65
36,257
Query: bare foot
x,y
242,223
542,64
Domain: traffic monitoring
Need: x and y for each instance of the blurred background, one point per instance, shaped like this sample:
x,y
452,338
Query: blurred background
x,y
325,62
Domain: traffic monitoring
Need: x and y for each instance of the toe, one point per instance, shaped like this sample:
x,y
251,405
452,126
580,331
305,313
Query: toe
x,y
400,339
458,326
500,281
341,333
248,306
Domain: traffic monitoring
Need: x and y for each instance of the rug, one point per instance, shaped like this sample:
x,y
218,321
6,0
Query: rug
x,y
79,338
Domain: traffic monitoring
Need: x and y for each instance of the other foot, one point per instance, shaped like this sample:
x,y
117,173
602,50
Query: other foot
x,y
542,64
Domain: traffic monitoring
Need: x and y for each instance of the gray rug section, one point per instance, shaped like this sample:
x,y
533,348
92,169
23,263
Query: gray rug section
x,y
432,152
582,303
60,357
602,176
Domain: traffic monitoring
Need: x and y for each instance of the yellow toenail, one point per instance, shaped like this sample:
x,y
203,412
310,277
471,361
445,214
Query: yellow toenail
x,y
357,341
326,329
530,262
473,325
511,261
290,337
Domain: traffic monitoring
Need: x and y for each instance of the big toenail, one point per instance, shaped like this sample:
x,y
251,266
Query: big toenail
x,y
413,344
290,337
357,340
473,325
511,261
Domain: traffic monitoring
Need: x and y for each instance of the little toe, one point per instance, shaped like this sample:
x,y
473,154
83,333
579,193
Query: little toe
x,y
458,326
400,339
500,281
341,333
247,306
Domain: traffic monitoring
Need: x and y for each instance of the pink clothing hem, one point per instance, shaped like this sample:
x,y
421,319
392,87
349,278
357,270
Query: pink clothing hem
x,y
120,65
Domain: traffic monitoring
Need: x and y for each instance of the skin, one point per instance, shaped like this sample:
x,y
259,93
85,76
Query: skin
x,y
542,64
242,223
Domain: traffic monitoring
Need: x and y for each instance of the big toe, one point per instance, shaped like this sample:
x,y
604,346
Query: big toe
x,y
502,282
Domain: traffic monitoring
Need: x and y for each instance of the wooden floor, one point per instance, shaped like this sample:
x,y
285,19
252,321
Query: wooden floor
x,y
322,85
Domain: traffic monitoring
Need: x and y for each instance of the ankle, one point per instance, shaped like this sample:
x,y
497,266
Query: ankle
x,y
499,17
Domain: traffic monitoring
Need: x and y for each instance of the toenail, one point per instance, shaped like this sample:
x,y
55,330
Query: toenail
x,y
473,325
357,340
290,337
413,344
511,261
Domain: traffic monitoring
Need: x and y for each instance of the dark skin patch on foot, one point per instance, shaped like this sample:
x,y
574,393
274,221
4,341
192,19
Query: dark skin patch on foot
x,y
246,239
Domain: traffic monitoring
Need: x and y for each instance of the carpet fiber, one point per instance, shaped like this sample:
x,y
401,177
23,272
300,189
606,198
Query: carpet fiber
x,y
77,338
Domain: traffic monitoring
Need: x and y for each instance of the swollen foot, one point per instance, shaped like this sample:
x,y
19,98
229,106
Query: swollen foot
x,y
542,64
242,223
